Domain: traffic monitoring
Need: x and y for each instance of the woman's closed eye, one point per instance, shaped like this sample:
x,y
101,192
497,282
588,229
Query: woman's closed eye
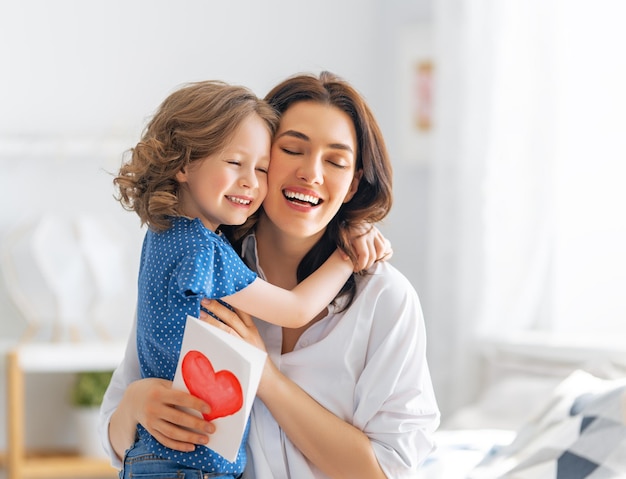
x,y
338,164
290,151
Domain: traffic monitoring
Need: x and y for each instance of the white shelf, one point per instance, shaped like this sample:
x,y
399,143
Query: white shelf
x,y
70,357
58,357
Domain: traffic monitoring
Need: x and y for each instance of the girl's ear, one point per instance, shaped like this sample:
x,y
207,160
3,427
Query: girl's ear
x,y
353,186
181,176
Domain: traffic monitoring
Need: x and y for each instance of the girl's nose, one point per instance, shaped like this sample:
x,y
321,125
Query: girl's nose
x,y
249,179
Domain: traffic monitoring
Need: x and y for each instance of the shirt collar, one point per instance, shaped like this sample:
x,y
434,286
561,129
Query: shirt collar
x,y
250,255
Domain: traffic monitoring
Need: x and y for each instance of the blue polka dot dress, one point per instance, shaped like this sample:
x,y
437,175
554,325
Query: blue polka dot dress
x,y
178,268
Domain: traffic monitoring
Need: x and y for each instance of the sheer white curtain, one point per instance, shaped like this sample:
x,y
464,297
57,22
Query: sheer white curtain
x,y
528,203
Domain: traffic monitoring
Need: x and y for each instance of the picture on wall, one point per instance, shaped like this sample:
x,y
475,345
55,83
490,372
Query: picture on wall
x,y
415,98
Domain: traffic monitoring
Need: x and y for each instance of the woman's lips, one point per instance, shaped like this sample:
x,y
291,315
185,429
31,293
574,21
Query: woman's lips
x,y
301,197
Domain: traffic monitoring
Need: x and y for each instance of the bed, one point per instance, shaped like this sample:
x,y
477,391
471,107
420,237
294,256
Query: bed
x,y
574,428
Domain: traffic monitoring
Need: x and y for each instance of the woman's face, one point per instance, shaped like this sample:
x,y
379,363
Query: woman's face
x,y
312,169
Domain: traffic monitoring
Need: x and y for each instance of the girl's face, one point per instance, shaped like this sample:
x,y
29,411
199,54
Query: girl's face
x,y
227,187
312,171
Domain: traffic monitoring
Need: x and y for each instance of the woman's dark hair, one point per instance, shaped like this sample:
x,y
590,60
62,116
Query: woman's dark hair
x,y
373,199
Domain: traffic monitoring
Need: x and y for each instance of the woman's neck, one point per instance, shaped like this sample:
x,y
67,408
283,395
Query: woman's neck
x,y
279,254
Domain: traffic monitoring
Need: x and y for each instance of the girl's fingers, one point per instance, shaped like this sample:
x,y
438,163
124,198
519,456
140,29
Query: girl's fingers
x,y
371,246
383,249
387,251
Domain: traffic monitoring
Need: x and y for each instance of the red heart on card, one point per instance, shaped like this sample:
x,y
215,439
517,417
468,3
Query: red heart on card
x,y
220,390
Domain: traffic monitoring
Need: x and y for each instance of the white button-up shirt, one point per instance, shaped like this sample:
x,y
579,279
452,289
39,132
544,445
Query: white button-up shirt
x,y
367,365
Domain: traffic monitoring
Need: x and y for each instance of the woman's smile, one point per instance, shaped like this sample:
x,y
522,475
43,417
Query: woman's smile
x,y
302,197
312,168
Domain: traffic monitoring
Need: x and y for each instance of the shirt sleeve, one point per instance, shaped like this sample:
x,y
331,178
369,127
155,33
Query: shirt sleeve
x,y
127,372
395,402
213,272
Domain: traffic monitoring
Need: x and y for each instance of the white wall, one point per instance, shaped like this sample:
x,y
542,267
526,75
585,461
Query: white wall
x,y
93,71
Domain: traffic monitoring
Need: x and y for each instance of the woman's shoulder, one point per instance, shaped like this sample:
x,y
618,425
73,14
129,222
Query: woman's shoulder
x,y
385,288
386,304
385,278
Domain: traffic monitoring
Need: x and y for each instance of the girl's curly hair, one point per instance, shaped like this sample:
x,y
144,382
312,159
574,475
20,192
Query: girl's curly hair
x,y
196,121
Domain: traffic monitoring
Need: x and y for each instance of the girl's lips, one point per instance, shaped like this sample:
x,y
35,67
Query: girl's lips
x,y
240,200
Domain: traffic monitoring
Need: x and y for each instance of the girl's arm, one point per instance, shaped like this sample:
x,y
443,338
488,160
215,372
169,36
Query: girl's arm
x,y
295,308
336,447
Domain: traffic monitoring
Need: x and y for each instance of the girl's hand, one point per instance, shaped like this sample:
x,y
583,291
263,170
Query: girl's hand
x,y
156,407
235,322
370,245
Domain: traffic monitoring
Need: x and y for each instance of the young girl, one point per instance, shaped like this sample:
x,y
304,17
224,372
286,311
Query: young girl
x,y
201,163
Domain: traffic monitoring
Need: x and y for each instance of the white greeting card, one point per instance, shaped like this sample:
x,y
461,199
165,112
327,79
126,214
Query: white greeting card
x,y
224,371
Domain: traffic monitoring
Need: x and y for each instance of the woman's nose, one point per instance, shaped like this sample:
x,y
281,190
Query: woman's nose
x,y
311,171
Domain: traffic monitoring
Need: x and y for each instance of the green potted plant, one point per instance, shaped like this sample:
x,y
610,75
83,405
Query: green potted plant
x,y
86,397
89,388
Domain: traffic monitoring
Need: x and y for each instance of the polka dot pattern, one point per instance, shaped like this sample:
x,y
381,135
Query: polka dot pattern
x,y
178,268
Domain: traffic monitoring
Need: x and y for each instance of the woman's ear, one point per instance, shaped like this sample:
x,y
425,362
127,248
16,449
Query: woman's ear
x,y
354,186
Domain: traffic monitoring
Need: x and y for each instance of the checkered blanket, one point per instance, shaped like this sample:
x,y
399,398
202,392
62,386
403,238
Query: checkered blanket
x,y
580,434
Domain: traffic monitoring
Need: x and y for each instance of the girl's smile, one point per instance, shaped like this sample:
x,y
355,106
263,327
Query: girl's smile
x,y
226,188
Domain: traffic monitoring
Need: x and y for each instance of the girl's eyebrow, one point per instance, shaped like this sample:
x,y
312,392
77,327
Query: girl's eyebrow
x,y
302,136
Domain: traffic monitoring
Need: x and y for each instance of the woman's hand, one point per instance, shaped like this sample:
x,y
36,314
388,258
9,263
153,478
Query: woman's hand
x,y
370,246
235,322
156,406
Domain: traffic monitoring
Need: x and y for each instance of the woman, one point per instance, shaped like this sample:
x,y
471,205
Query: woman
x,y
349,394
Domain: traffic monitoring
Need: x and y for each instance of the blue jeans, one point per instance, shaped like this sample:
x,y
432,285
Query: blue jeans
x,y
141,464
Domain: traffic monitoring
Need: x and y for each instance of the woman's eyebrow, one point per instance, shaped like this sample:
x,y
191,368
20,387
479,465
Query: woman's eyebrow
x,y
302,136
295,134
341,146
